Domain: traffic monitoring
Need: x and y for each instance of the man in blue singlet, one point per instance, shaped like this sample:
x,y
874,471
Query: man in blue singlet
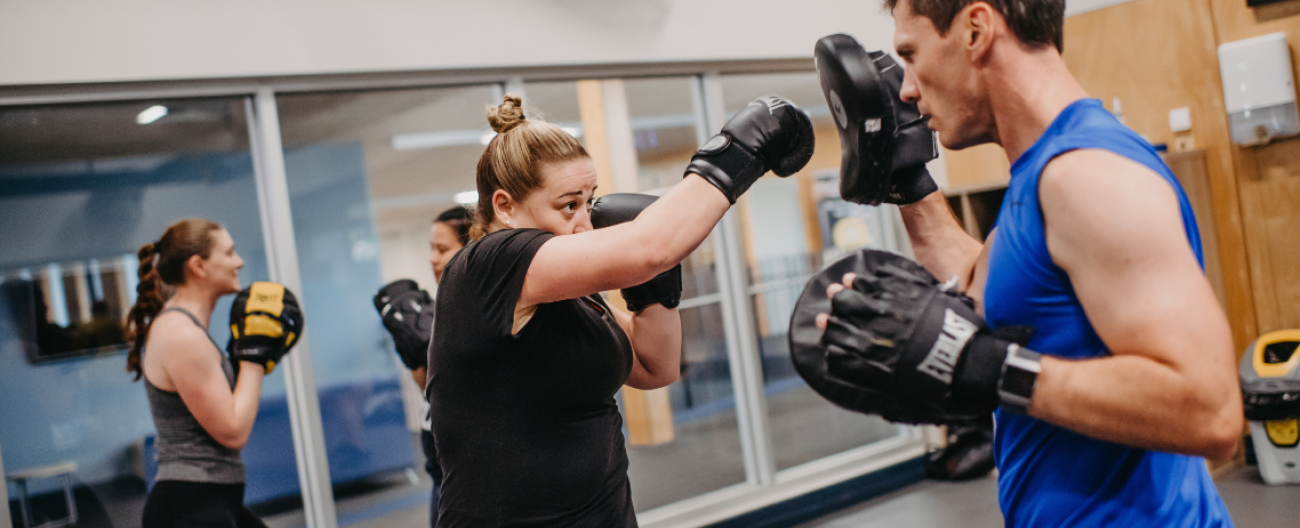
x,y
1096,247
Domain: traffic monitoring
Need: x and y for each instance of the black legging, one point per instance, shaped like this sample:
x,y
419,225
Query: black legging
x,y
179,504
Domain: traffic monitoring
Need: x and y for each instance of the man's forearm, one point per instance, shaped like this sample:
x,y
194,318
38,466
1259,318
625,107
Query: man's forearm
x,y
1137,401
938,240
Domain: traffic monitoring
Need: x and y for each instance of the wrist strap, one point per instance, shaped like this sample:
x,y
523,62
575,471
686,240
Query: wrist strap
x,y
727,165
1019,375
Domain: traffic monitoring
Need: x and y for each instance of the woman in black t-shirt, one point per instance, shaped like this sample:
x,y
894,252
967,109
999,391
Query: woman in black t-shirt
x,y
527,357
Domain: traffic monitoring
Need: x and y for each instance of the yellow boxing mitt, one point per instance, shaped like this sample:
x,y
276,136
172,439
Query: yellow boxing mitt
x,y
265,322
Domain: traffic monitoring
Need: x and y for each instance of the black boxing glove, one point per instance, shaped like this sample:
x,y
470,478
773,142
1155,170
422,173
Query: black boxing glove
x,y
898,331
769,134
407,313
665,288
265,323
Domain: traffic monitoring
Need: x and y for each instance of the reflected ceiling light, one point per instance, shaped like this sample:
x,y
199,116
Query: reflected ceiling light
x,y
486,138
151,114
467,197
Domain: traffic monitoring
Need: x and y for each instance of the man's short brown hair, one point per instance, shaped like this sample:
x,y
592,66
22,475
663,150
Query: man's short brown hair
x,y
1037,23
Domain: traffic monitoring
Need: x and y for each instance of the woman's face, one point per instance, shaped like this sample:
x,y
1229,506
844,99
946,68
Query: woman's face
x,y
221,268
562,205
443,244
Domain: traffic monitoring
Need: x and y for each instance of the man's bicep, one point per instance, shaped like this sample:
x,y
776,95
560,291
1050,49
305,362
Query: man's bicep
x,y
1116,228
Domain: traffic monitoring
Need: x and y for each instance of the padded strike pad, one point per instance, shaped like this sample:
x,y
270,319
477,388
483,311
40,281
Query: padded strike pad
x,y
880,135
811,360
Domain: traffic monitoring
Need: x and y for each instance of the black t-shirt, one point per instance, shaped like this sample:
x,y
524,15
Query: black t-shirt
x,y
527,429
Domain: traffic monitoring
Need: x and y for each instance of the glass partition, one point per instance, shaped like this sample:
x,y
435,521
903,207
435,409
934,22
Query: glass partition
x,y
367,174
701,453
556,102
791,227
82,187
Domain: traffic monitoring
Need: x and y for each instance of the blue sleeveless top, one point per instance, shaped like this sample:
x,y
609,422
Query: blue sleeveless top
x,y
1050,476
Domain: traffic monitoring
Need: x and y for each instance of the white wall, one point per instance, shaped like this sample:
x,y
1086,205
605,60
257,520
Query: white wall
x,y
67,41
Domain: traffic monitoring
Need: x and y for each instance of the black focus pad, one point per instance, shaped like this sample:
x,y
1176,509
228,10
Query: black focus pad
x,y
862,380
884,142
408,314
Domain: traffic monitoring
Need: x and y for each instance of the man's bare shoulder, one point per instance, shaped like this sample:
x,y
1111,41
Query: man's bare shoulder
x,y
1096,179
1097,203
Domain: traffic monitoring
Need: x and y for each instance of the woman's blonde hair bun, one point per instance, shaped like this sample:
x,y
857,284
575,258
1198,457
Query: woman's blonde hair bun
x,y
507,116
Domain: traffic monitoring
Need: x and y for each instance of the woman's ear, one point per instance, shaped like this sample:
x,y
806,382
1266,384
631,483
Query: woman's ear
x,y
196,266
503,206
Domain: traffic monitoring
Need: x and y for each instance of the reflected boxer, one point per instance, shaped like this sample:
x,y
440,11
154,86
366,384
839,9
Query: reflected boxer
x,y
1095,249
202,409
528,357
407,312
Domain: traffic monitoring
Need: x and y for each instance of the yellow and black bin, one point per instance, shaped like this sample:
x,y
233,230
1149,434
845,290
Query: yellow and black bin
x,y
1270,388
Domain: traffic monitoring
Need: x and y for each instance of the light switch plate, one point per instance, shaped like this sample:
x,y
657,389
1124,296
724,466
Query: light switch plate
x,y
1180,119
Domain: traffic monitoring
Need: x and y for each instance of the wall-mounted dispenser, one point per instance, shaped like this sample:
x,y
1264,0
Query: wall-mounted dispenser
x,y
1259,89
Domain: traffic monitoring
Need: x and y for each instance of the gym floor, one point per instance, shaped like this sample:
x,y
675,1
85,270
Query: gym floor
x,y
926,504
973,504
937,504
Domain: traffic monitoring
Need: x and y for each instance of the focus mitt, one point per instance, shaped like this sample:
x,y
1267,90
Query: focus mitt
x,y
265,322
900,345
884,142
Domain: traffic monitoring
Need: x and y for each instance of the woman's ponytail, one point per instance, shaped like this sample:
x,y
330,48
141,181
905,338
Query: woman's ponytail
x,y
148,302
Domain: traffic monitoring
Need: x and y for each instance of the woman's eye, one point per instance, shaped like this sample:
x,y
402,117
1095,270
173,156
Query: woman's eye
x,y
589,202
569,207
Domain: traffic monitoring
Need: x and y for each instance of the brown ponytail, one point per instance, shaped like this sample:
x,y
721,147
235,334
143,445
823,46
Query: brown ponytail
x,y
162,264
511,159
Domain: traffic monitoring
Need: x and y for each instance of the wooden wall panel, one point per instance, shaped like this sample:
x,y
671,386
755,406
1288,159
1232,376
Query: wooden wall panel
x,y
1156,55
1190,169
985,164
1269,178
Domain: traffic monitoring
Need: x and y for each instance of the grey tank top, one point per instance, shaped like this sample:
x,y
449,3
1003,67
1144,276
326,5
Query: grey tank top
x,y
184,448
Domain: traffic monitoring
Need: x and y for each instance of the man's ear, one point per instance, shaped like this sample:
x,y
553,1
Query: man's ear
x,y
503,205
980,24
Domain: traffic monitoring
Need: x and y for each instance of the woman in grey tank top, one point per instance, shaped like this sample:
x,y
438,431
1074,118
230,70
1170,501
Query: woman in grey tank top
x,y
202,411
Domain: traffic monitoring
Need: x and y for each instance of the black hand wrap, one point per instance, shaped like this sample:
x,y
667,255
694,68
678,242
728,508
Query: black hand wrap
x,y
665,288
769,134
884,142
265,323
407,312
897,344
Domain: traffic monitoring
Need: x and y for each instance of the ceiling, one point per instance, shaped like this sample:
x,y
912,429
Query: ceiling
x,y
406,185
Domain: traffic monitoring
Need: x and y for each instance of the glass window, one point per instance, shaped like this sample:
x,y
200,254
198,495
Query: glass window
x,y
368,172
556,102
82,187
791,227
703,452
